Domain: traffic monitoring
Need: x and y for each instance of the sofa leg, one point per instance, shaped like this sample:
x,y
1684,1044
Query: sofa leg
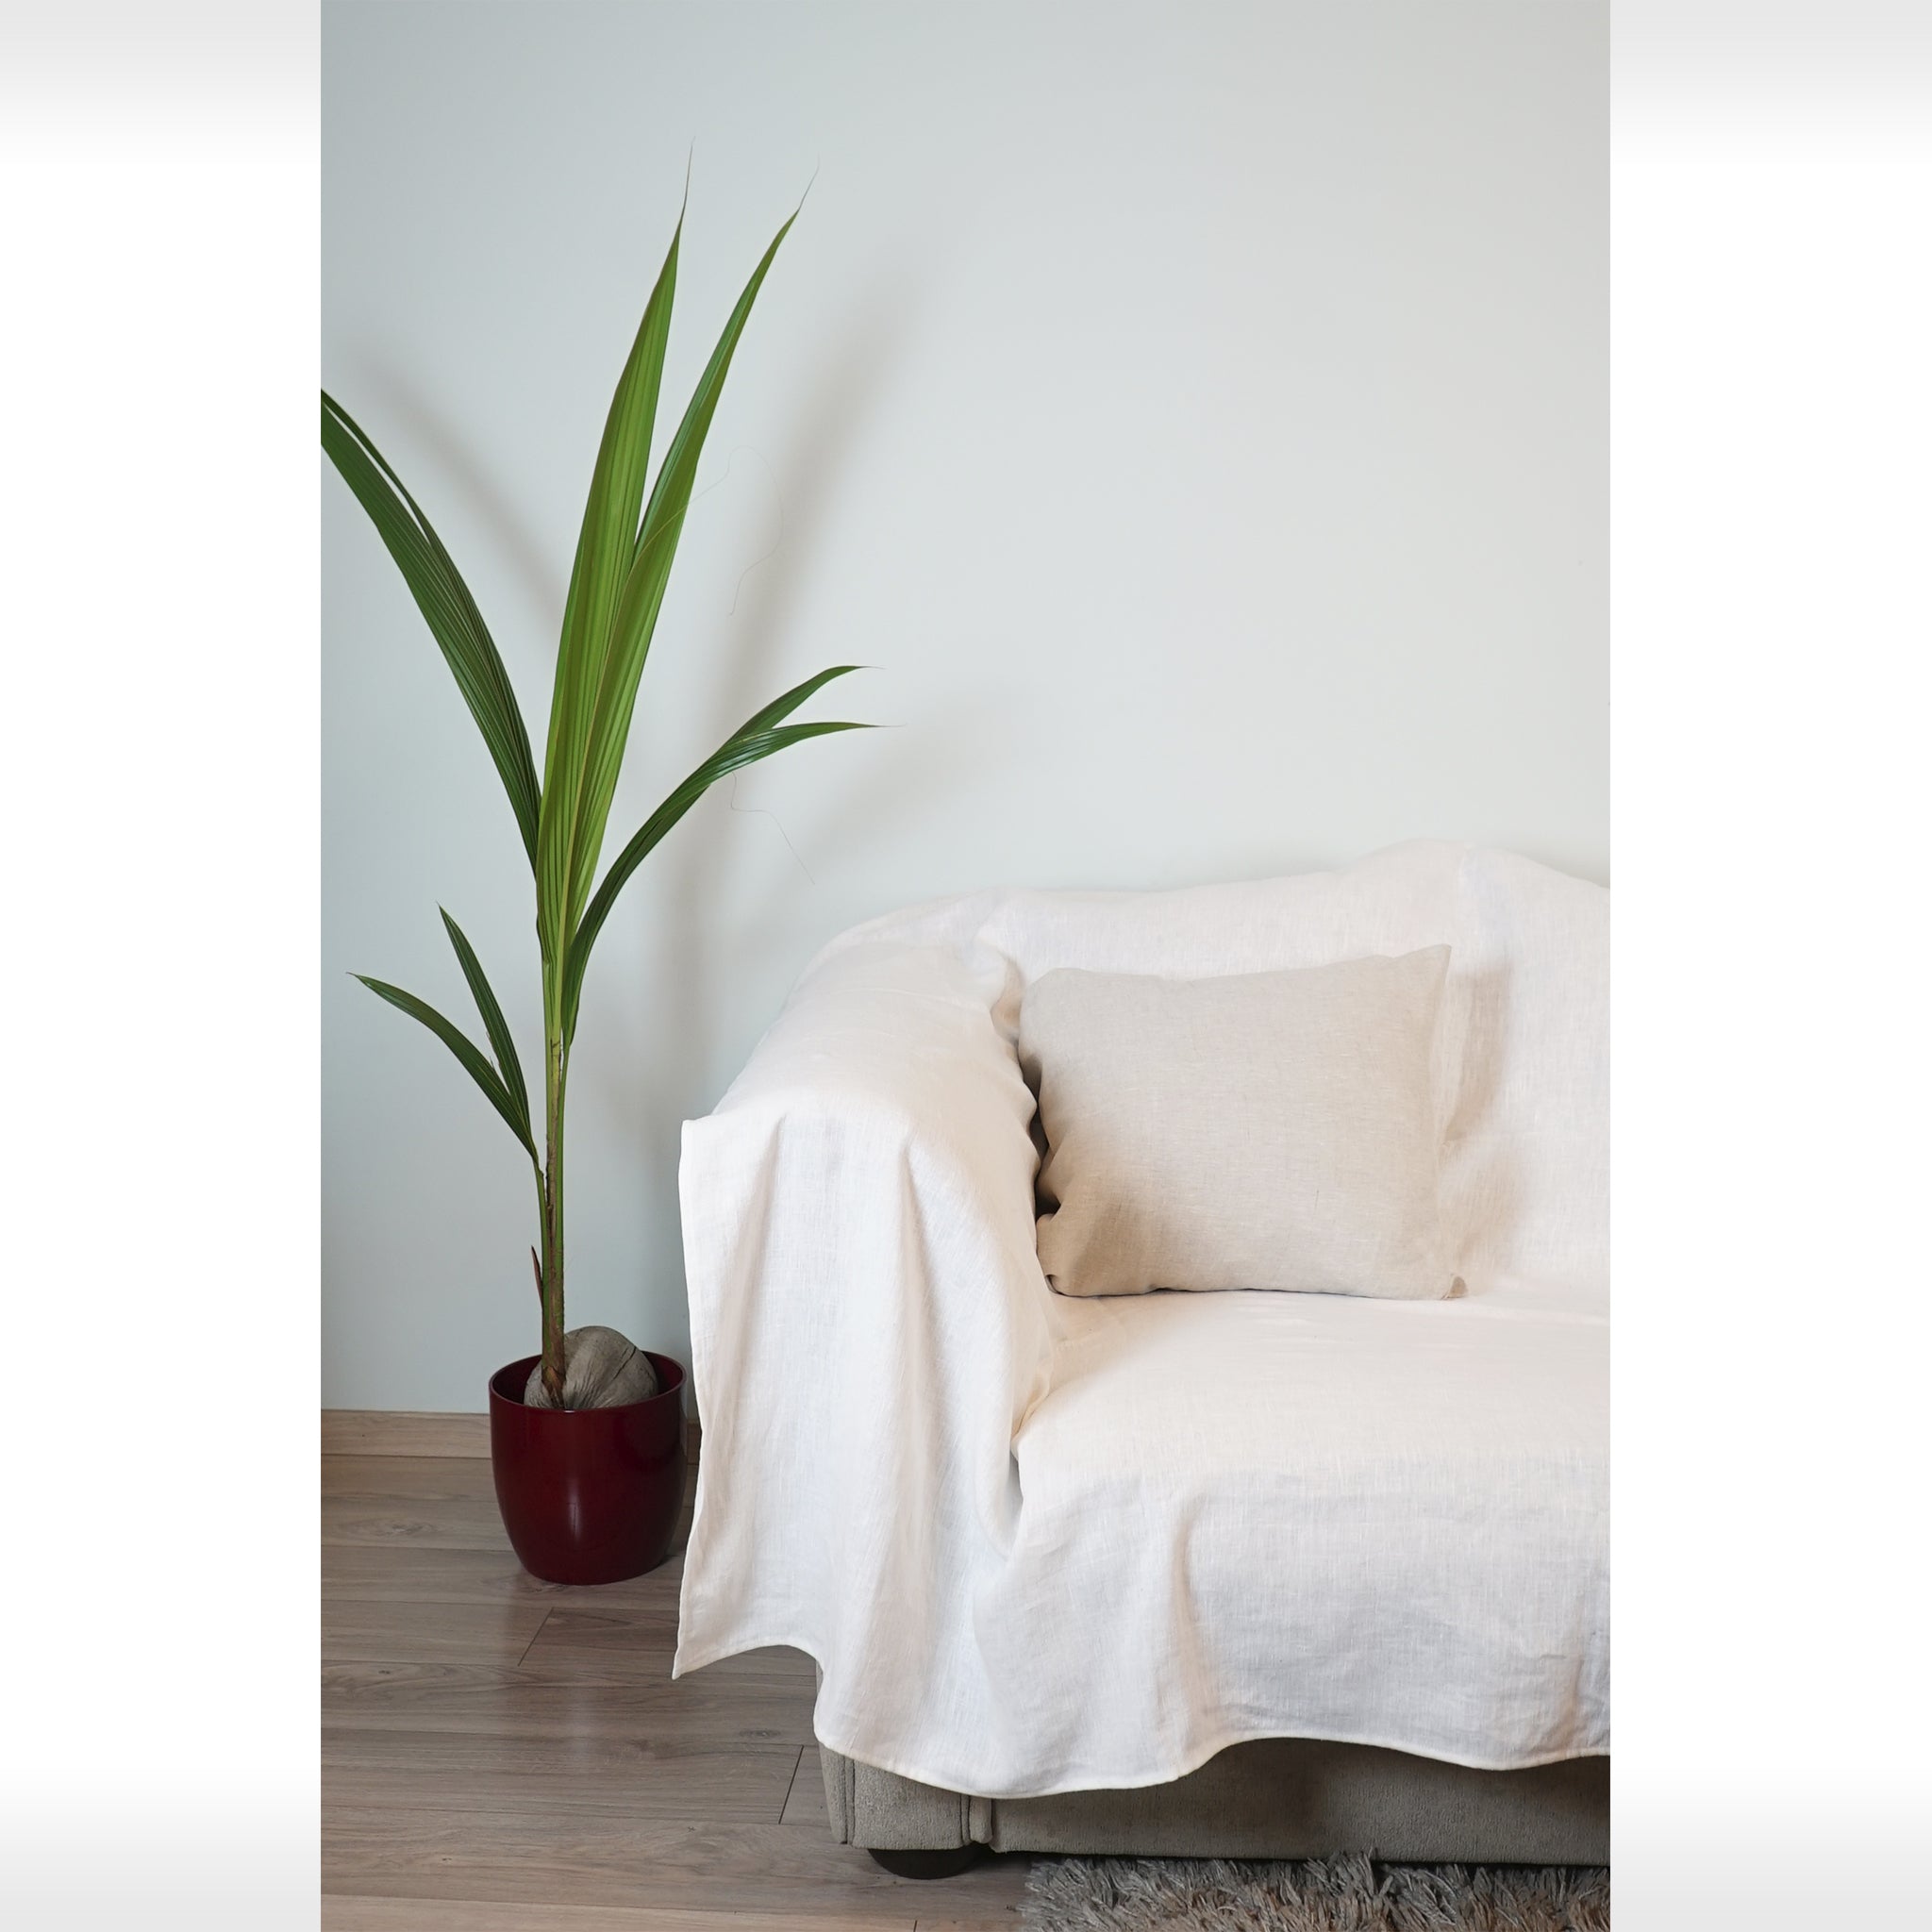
x,y
946,1864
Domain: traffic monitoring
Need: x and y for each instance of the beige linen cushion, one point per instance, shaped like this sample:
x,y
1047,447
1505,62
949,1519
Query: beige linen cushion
x,y
1271,1130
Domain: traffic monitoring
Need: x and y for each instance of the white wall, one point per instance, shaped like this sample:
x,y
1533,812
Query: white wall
x,y
1198,412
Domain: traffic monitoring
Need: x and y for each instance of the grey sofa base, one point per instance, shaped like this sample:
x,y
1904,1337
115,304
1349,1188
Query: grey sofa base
x,y
1275,1798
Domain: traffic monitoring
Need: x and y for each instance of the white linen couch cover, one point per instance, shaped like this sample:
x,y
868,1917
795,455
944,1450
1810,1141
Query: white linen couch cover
x,y
1038,1544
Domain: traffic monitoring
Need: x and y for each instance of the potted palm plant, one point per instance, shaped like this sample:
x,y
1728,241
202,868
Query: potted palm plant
x,y
586,1435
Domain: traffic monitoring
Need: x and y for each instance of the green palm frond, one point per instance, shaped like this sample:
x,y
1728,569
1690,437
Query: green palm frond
x,y
445,603
597,579
758,737
597,685
474,1063
501,1042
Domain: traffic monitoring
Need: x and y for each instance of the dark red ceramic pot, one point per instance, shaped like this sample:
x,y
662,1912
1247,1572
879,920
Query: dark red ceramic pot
x,y
587,1495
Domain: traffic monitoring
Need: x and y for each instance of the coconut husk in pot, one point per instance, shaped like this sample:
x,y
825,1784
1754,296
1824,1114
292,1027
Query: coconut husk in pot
x,y
601,1370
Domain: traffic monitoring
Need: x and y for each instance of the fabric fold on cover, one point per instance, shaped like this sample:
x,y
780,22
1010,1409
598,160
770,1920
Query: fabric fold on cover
x,y
1038,1545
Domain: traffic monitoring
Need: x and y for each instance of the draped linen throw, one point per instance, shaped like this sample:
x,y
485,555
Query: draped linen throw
x,y
1039,1543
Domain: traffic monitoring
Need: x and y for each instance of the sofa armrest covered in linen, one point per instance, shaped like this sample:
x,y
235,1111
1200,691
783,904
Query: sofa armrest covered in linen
x,y
870,1328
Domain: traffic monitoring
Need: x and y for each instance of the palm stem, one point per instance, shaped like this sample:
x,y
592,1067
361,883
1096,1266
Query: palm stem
x,y
554,1066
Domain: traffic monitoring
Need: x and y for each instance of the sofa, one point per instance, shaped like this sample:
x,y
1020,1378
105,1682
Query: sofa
x,y
1227,1574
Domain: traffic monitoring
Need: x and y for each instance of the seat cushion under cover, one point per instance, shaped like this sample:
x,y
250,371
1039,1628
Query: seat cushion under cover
x,y
1379,1522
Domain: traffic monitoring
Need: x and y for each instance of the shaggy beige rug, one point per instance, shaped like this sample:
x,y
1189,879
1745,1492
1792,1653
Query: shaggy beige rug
x,y
1333,1895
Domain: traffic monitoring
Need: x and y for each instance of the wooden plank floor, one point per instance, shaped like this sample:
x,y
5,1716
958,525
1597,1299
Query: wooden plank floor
x,y
501,1755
